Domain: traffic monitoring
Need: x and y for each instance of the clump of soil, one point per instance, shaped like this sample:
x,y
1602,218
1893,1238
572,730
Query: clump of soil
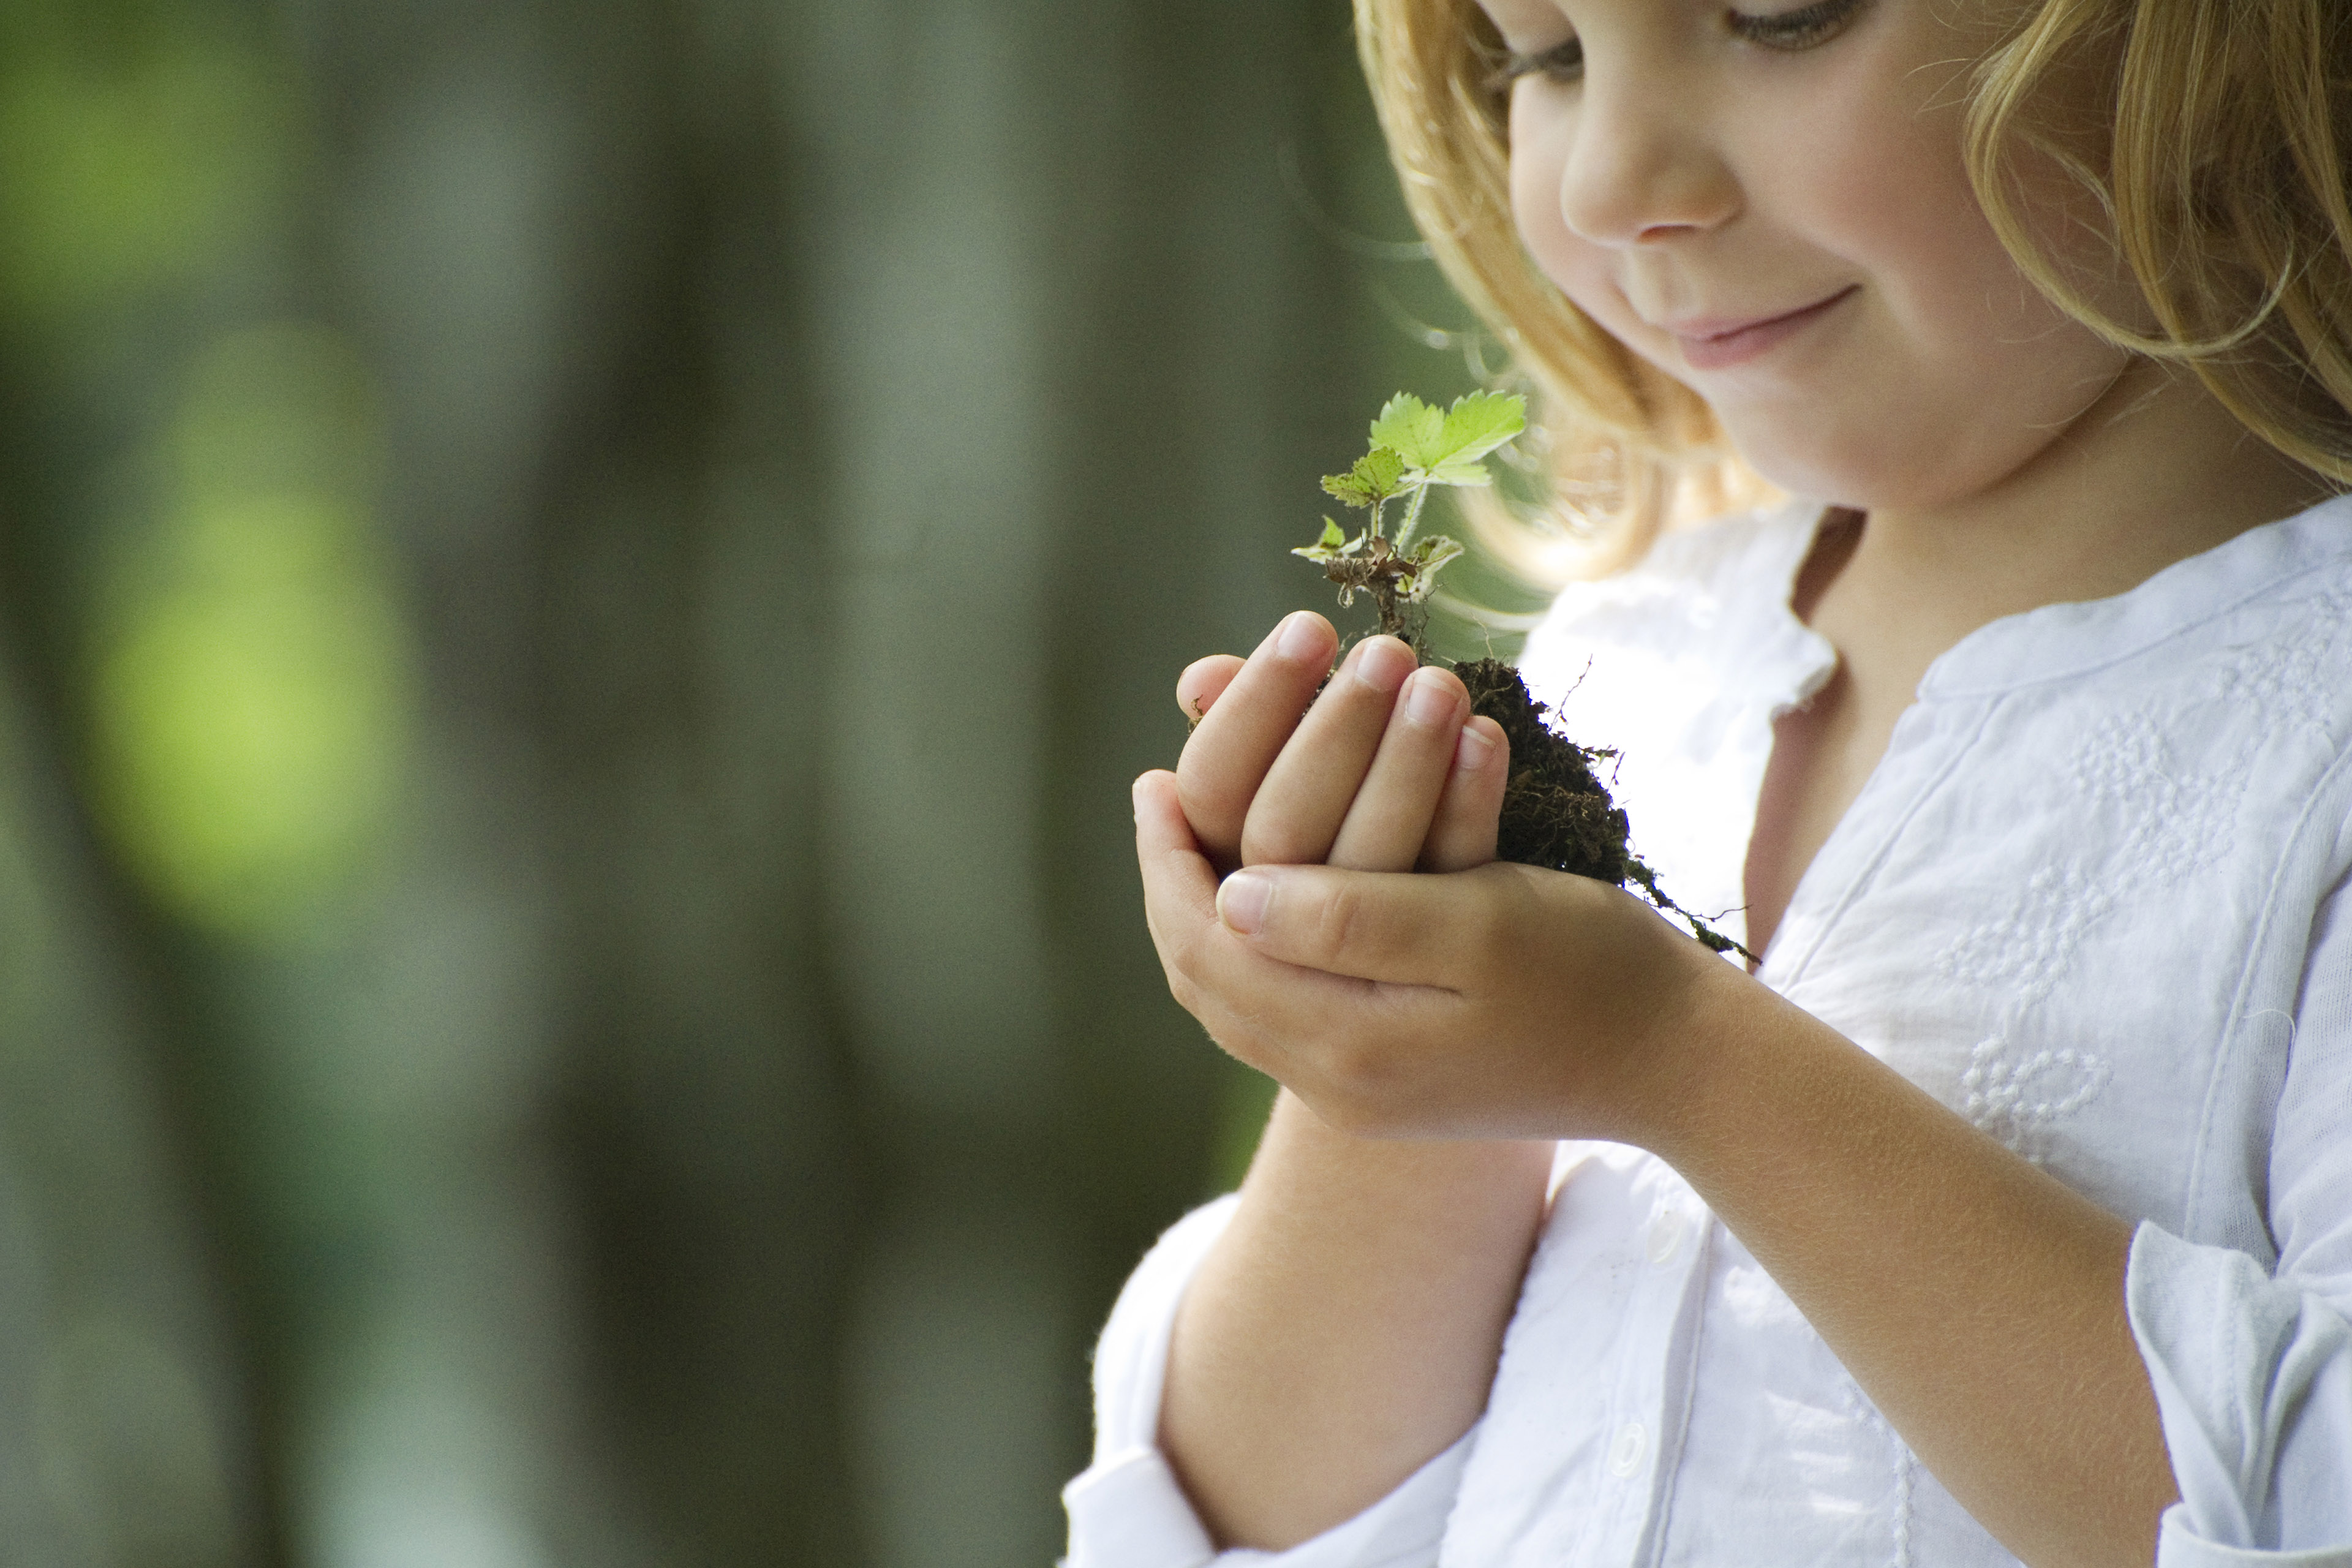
x,y
1556,814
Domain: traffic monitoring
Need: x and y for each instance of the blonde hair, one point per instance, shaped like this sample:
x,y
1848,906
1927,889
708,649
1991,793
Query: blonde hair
x,y
2219,177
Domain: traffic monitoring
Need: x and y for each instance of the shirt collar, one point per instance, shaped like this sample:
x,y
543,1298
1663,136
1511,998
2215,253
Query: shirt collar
x,y
2058,642
1783,662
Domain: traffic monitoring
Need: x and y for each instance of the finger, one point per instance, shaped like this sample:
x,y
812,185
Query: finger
x,y
1227,757
1297,814
1395,929
1178,880
1470,811
1180,889
1389,819
1203,682
1251,1004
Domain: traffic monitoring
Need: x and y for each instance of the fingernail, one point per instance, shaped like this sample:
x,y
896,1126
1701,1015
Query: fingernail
x,y
1428,702
1242,899
1298,636
1475,750
1382,665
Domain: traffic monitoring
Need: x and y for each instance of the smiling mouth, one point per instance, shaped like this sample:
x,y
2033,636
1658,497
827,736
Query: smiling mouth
x,y
1720,348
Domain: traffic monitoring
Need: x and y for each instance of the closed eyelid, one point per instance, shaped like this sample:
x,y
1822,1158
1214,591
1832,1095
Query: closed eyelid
x,y
1542,23
1554,54
1800,27
1566,56
1796,30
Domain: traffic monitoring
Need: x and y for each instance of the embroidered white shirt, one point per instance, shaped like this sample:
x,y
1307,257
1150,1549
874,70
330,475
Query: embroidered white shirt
x,y
2090,899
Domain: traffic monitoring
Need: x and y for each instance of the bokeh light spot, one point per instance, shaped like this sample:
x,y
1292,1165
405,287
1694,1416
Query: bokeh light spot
x,y
128,170
251,700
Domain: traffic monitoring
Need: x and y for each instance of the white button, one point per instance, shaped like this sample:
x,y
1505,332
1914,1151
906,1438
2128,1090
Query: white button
x,y
1665,1234
1625,1454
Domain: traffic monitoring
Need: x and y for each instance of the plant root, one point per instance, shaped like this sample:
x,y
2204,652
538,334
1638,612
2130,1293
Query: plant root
x,y
1556,814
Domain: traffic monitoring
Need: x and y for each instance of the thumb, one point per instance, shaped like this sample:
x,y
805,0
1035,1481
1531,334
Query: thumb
x,y
1397,927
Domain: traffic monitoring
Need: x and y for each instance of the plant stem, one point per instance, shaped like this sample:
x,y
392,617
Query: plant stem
x,y
1372,529
1411,517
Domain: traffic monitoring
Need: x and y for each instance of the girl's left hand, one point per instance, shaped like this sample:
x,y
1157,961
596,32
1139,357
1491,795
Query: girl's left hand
x,y
1504,1002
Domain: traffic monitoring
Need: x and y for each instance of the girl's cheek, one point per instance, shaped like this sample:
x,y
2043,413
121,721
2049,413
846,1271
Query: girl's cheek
x,y
1586,272
1535,187
1580,270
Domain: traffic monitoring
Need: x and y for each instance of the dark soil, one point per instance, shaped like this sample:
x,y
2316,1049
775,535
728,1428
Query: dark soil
x,y
1556,814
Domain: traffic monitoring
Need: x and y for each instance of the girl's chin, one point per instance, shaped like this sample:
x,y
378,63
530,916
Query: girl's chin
x,y
1803,474
1800,463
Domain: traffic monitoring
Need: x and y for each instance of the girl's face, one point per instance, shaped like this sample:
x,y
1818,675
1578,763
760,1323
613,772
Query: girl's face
x,y
1769,205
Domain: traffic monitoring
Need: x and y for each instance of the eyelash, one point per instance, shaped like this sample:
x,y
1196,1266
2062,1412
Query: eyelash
x,y
1794,31
1790,32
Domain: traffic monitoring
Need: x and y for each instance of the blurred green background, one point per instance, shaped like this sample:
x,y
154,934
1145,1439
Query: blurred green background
x,y
580,587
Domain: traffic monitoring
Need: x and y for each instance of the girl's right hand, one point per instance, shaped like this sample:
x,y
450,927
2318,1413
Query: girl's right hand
x,y
1345,1328
1378,773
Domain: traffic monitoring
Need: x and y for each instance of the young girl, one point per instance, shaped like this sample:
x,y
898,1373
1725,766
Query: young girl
x,y
2005,1212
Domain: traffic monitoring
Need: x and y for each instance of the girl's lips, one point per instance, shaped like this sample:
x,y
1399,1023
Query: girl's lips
x,y
1707,346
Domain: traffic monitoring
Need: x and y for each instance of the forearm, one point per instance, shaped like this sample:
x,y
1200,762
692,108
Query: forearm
x,y
1346,1328
1978,1301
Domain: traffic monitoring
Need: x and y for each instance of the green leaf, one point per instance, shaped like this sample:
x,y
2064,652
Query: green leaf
x,y
1426,557
1433,551
1456,471
1479,423
1330,547
1449,448
1414,429
1373,479
1475,424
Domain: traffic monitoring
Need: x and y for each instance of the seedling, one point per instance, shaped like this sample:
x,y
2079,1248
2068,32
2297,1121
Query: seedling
x,y
1556,812
1415,448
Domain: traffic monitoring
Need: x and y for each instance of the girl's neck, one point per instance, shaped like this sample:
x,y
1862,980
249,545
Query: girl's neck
x,y
2155,471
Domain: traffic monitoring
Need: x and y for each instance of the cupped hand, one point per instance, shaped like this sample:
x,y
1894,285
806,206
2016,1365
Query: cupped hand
x,y
1503,1002
1384,769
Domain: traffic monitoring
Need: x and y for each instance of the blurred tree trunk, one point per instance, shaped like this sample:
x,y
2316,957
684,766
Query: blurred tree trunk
x,y
815,435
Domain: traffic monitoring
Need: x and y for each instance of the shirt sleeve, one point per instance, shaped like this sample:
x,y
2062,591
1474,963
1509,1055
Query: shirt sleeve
x,y
1128,1509
2253,1372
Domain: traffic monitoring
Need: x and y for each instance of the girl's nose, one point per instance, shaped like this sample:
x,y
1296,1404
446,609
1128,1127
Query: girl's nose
x,y
1641,167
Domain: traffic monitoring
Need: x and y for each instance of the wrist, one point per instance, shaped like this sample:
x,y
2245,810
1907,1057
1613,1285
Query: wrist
x,y
1712,1021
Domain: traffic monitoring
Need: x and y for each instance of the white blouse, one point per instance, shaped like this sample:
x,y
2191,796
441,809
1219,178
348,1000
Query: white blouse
x,y
2089,900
